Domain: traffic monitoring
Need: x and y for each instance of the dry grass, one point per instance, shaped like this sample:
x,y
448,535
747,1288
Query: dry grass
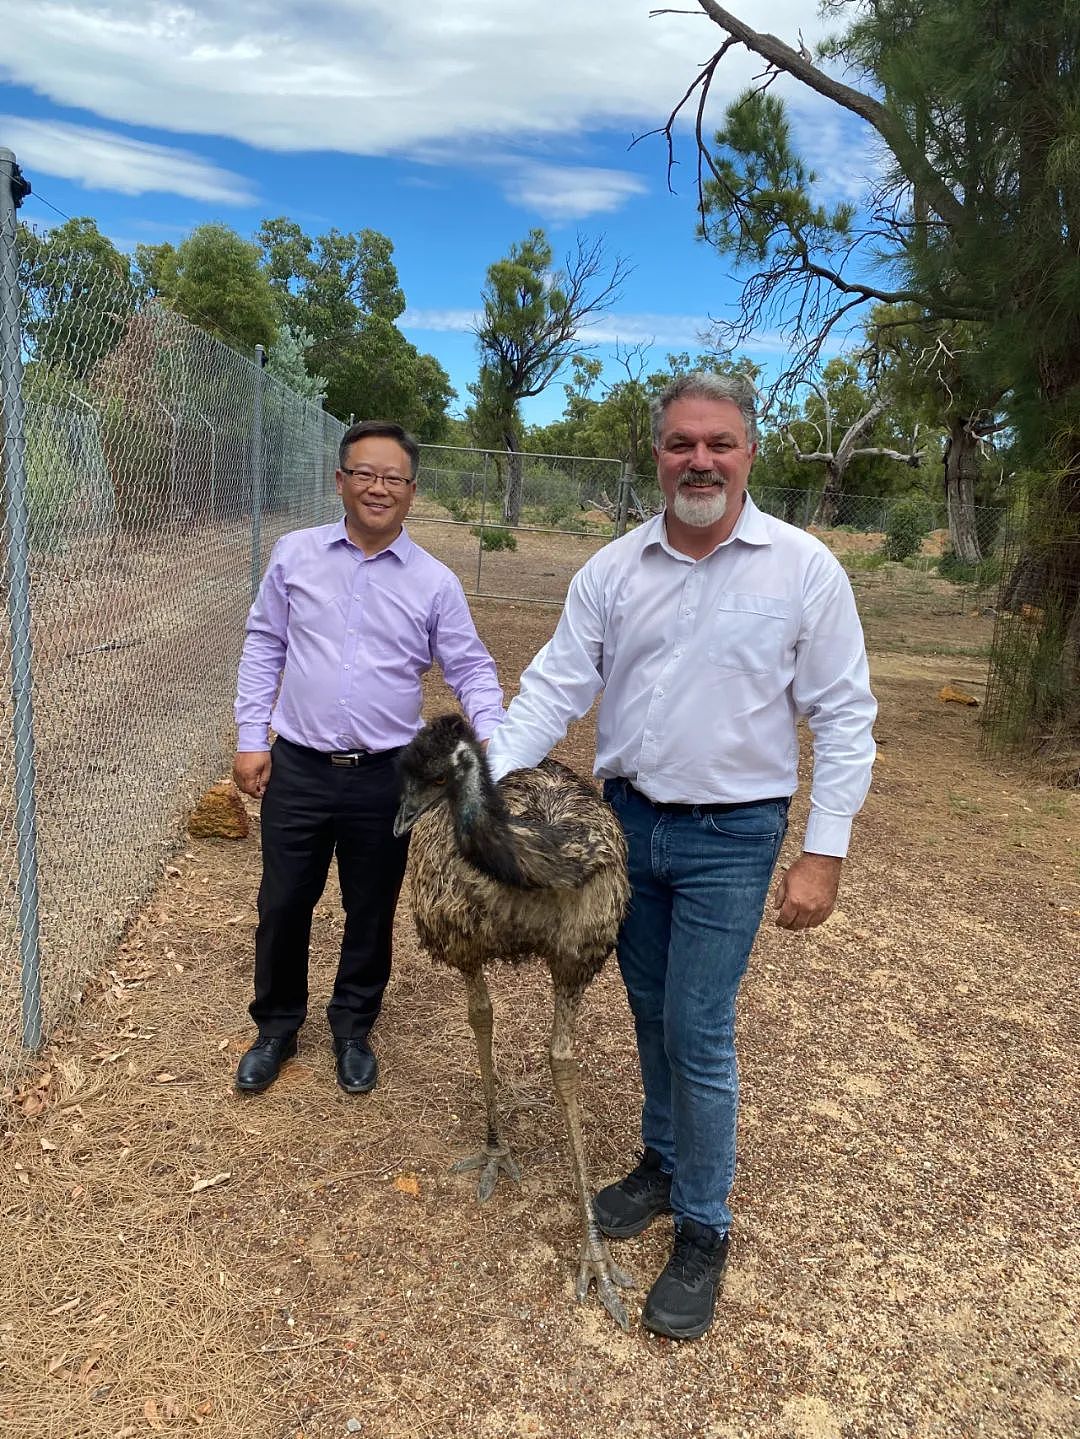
x,y
905,1244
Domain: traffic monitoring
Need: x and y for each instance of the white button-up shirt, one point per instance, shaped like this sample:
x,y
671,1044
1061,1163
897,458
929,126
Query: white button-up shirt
x,y
706,666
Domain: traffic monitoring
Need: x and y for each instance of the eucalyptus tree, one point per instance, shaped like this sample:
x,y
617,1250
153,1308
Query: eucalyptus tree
x,y
529,330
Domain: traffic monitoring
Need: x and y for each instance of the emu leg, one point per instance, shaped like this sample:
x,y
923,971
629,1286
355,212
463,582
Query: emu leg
x,y
594,1261
495,1157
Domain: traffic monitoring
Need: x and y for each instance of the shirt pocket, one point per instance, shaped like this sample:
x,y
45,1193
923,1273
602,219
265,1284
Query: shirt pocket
x,y
749,633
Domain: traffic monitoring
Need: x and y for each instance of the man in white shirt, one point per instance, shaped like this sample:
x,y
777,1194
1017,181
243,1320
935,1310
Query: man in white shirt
x,y
710,629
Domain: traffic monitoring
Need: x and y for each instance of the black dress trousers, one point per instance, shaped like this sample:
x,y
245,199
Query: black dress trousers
x,y
311,810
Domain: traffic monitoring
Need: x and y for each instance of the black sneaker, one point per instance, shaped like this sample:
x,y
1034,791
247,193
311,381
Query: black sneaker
x,y
680,1304
625,1209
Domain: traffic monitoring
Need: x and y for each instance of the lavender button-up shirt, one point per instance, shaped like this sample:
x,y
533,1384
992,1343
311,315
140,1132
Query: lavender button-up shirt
x,y
336,644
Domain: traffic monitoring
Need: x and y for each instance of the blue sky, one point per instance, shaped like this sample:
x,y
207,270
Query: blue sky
x,y
453,128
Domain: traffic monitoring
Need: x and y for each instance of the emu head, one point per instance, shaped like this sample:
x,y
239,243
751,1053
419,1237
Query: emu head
x,y
442,763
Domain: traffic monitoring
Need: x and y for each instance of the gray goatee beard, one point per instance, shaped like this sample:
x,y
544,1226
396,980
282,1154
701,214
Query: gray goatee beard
x,y
697,511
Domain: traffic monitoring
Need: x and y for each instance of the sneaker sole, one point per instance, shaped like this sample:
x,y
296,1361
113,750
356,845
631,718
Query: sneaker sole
x,y
664,1331
628,1231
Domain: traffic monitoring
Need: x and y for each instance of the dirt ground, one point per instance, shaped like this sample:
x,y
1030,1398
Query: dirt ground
x,y
179,1259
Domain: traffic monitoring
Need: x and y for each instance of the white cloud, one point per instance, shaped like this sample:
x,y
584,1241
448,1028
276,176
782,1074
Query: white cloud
x,y
686,331
678,332
103,160
374,77
460,320
571,192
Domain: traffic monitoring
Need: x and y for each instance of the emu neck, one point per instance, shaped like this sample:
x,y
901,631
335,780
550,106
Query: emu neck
x,y
481,825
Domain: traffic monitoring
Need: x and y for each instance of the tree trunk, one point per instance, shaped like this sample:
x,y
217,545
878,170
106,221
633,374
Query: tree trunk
x,y
960,471
829,503
515,480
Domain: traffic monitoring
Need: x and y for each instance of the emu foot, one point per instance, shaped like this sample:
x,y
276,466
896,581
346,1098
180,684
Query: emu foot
x,y
595,1263
492,1161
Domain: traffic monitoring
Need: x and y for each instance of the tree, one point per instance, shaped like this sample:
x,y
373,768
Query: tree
x,y
977,216
215,279
844,417
943,371
77,295
529,332
287,362
342,289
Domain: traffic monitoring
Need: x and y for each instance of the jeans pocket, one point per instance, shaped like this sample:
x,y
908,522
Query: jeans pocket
x,y
754,823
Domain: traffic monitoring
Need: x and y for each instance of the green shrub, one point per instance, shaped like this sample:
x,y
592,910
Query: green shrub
x,y
908,524
860,561
986,572
556,512
495,539
457,507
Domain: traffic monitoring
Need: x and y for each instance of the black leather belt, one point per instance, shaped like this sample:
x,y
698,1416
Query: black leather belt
x,y
349,758
672,807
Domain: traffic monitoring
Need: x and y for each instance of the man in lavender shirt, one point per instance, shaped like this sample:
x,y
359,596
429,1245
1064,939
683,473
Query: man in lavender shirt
x,y
348,618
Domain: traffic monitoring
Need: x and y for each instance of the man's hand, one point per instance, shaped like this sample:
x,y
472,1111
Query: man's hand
x,y
251,771
806,894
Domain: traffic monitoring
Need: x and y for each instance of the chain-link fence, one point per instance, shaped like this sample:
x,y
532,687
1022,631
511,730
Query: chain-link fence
x,y
568,506
515,527
147,469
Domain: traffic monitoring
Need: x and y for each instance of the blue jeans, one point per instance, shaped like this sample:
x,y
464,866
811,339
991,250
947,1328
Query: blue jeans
x,y
699,881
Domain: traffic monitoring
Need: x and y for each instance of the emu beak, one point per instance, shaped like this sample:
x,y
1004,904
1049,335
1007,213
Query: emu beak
x,y
413,804
405,818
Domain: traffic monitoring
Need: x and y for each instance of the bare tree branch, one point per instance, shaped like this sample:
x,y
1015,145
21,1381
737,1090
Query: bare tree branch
x,y
912,160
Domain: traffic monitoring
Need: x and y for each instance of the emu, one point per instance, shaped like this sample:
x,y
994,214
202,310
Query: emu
x,y
533,867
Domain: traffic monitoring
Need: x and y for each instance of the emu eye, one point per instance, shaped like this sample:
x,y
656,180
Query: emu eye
x,y
438,779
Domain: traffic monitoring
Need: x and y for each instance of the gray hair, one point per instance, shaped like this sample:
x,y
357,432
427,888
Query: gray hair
x,y
705,385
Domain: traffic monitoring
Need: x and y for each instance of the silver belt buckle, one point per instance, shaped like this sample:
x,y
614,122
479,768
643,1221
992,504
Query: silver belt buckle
x,y
349,757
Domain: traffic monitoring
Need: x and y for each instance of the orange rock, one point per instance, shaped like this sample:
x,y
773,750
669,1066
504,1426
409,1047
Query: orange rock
x,y
220,814
958,696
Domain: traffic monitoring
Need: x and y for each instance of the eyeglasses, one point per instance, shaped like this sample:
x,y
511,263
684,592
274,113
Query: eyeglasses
x,y
364,478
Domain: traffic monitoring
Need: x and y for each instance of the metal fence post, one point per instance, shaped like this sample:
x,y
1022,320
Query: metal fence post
x,y
622,508
16,532
480,527
257,473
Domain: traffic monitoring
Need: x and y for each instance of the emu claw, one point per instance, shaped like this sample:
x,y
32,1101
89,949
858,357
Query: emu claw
x,y
492,1162
597,1264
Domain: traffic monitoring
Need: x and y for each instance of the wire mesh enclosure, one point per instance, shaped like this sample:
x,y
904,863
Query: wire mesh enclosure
x,y
565,507
147,469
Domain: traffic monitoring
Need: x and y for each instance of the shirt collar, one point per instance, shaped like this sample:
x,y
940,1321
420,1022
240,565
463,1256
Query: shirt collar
x,y
750,528
338,533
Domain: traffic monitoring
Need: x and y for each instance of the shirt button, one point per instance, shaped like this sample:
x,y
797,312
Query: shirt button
x,y
660,693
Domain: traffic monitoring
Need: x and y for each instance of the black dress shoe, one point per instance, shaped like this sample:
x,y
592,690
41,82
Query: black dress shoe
x,y
261,1065
357,1067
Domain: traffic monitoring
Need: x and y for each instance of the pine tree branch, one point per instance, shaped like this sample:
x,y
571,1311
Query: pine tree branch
x,y
932,190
